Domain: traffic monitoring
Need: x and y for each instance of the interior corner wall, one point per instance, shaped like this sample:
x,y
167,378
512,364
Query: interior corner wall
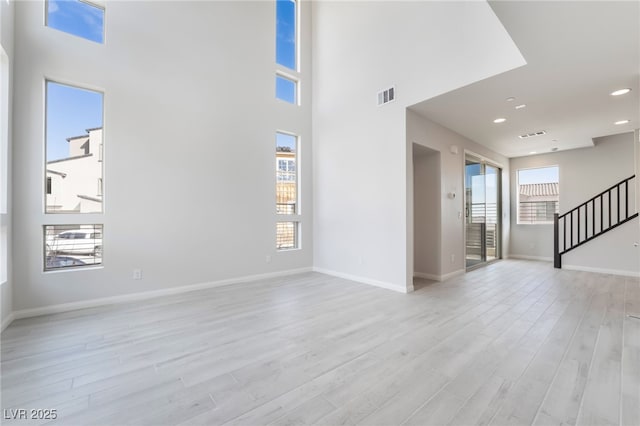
x,y
189,173
636,156
7,42
583,173
427,208
363,202
422,131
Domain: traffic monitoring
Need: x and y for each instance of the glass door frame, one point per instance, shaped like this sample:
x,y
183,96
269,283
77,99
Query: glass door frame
x,y
484,162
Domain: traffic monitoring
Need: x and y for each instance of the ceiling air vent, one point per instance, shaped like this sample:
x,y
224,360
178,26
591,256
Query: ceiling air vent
x,y
387,96
530,135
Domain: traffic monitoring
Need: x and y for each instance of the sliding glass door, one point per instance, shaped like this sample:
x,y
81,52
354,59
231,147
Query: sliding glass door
x,y
474,212
482,211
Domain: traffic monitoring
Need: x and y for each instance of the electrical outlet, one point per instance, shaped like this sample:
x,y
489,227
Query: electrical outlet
x,y
360,261
137,274
453,258
268,259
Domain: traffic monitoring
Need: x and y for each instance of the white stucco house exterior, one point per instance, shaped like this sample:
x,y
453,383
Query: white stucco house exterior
x,y
74,183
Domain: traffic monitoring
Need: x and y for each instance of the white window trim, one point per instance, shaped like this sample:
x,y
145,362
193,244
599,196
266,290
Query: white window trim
x,y
298,234
296,218
100,4
90,88
518,195
5,241
296,83
87,267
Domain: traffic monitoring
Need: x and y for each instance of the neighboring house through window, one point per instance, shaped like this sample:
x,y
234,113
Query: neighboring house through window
x,y
287,191
71,180
73,176
287,85
538,195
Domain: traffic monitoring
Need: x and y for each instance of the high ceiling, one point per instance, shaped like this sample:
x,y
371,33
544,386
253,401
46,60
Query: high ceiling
x,y
577,53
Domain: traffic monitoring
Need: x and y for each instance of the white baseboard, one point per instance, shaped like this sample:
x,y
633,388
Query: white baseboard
x,y
92,303
363,280
634,274
424,275
8,320
527,257
452,274
435,277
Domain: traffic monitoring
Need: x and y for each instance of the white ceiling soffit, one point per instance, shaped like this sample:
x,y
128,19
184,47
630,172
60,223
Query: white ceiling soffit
x,y
577,53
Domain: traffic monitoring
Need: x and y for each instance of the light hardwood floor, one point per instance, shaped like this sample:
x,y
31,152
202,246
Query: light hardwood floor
x,y
516,342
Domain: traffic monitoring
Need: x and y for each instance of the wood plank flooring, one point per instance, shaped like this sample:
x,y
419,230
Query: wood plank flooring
x,y
513,343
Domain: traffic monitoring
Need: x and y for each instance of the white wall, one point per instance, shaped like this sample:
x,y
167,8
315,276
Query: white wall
x,y
189,126
425,132
426,208
583,174
360,150
6,95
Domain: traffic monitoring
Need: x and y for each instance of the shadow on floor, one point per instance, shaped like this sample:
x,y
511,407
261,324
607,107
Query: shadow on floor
x,y
422,283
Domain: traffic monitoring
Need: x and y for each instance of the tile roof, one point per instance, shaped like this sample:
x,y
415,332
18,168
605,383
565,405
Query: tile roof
x,y
539,189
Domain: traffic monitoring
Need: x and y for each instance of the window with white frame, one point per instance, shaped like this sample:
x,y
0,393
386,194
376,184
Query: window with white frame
x,y
287,83
4,165
287,193
287,73
73,173
287,235
286,173
286,89
286,33
78,17
538,195
67,246
74,139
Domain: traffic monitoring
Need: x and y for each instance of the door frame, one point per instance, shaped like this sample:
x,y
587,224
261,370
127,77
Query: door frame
x,y
484,160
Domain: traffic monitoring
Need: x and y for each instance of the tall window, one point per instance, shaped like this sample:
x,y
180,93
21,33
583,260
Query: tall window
x,y
287,191
73,169
77,17
286,174
4,164
538,195
287,82
286,33
73,149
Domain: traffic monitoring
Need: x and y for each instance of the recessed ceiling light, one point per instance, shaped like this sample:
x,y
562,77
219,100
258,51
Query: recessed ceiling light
x,y
621,122
533,152
620,92
511,99
521,106
499,120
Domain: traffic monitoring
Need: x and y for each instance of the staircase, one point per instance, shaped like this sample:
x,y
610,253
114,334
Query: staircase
x,y
599,215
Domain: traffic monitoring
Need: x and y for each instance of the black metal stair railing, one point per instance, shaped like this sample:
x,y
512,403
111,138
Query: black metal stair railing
x,y
596,216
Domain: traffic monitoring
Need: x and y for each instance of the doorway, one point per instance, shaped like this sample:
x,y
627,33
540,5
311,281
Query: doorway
x,y
427,223
483,207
